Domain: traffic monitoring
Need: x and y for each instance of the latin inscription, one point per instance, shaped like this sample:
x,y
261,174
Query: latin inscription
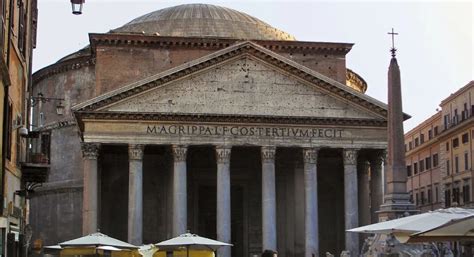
x,y
246,131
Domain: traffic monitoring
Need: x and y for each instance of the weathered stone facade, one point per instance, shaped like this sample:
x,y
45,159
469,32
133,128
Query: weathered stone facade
x,y
243,140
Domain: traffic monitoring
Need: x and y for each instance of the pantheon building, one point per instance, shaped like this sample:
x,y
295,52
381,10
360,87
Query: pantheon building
x,y
205,119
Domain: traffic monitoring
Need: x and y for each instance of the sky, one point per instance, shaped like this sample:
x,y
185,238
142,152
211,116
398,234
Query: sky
x,y
435,42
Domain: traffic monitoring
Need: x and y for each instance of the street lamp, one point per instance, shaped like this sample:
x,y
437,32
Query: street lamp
x,y
35,100
77,6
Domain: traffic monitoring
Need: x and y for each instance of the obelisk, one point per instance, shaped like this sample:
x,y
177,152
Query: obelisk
x,y
396,200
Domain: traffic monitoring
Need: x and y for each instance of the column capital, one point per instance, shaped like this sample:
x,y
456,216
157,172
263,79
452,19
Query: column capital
x,y
179,152
268,153
310,154
379,157
223,153
350,156
135,152
90,150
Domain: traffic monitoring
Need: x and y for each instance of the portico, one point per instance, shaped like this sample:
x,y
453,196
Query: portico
x,y
285,173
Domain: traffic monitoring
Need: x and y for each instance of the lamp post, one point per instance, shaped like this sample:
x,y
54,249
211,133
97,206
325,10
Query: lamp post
x,y
77,6
35,100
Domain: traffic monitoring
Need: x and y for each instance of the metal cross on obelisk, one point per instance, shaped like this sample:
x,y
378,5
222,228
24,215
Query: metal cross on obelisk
x,y
393,50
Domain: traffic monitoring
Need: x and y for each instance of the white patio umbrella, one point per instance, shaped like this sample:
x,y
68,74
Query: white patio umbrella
x,y
96,240
91,245
191,241
454,230
405,227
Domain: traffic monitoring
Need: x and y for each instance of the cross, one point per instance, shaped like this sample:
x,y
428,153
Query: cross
x,y
393,50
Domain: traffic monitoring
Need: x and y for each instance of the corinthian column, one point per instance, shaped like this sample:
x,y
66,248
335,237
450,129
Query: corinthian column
x,y
268,199
180,209
311,202
135,194
90,153
376,183
223,198
351,201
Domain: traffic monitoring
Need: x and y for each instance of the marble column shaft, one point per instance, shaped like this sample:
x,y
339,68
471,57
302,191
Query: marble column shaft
x,y
180,209
350,200
311,202
376,187
223,225
90,152
135,194
364,193
268,199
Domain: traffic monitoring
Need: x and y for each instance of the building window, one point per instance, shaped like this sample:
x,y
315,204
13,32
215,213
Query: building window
x,y
422,138
411,197
455,142
466,161
456,195
447,197
435,160
410,145
435,130
466,193
455,117
446,121
417,200
9,135
447,167
422,165
447,146
465,138
436,194
417,142
415,168
430,134
408,170
456,164
422,196
429,195
428,163
406,148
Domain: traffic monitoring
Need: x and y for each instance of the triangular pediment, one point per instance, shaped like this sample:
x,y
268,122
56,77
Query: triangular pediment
x,y
244,79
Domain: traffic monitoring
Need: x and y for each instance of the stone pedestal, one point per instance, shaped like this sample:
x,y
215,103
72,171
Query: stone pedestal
x,y
223,199
311,202
268,199
350,200
180,209
90,153
135,195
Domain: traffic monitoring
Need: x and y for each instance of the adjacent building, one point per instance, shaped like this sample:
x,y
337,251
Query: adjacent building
x,y
439,154
17,39
202,118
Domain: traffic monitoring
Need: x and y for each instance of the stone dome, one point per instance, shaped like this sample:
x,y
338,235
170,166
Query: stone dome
x,y
203,20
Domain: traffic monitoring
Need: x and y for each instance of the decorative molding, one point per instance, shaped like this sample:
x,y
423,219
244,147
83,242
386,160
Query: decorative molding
x,y
208,117
135,152
90,150
350,156
310,155
179,152
268,153
58,124
223,154
63,66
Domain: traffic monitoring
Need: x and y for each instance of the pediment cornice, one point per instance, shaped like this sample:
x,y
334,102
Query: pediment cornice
x,y
251,50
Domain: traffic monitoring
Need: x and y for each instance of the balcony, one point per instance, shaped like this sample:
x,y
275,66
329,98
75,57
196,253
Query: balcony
x,y
35,169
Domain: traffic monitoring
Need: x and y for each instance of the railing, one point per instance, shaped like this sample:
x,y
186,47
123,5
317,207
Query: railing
x,y
38,148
